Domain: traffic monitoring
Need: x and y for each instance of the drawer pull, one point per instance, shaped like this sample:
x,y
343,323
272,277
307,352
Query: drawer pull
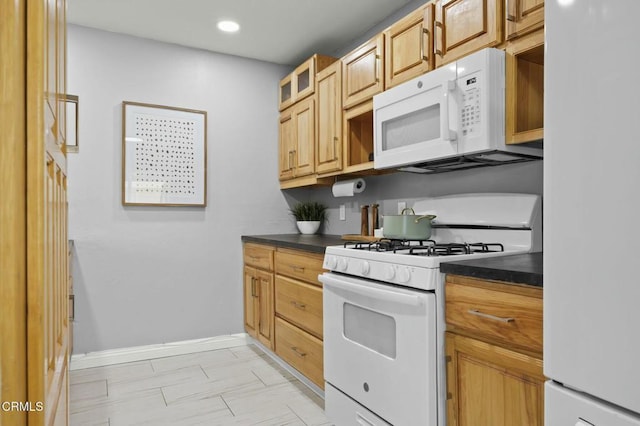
x,y
254,291
489,316
298,352
299,305
297,268
447,359
72,307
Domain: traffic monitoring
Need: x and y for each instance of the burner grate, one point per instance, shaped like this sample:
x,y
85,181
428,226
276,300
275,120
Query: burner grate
x,y
424,247
388,245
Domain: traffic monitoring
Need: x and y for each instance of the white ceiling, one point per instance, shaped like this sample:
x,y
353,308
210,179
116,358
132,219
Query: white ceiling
x,y
280,31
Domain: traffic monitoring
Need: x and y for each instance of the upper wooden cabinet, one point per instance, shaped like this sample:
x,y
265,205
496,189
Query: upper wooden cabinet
x,y
329,119
362,72
286,145
525,88
358,138
304,117
523,16
286,92
465,26
408,47
302,81
297,140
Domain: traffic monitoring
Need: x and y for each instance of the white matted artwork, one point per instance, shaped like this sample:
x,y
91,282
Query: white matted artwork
x,y
164,155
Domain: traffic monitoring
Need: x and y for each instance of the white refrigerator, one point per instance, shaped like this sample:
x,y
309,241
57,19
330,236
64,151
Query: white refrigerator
x,y
592,212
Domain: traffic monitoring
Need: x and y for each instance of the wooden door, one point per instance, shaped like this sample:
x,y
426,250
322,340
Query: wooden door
x,y
250,295
286,92
47,235
286,144
408,47
13,228
465,26
490,385
362,72
523,16
265,290
304,137
304,76
329,135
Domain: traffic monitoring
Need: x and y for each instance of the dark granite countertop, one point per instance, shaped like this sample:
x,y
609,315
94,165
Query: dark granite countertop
x,y
313,243
517,268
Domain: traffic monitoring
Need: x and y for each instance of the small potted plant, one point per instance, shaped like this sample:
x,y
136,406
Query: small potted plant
x,y
309,216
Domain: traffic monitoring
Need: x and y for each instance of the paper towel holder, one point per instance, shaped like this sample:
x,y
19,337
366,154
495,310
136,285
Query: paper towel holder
x,y
348,188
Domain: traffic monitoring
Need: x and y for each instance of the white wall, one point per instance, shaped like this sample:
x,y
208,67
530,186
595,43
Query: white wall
x,y
146,275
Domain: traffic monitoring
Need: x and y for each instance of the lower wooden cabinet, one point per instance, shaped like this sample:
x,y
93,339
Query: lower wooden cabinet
x,y
300,349
258,292
283,305
494,353
489,385
300,304
258,305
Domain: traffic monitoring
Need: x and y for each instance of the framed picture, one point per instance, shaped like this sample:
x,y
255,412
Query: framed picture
x,y
164,155
71,102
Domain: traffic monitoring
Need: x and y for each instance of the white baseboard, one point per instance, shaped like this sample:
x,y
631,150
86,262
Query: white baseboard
x,y
140,353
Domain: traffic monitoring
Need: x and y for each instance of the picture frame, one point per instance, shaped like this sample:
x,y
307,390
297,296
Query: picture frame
x,y
164,155
72,103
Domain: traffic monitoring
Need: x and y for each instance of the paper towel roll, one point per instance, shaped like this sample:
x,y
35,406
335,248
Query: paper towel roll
x,y
347,188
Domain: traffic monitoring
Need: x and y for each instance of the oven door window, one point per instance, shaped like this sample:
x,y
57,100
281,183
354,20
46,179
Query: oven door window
x,y
371,329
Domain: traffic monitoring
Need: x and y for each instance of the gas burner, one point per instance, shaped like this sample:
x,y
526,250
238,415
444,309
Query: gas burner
x,y
388,245
452,249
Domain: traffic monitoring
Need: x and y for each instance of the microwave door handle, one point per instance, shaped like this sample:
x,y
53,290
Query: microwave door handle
x,y
447,133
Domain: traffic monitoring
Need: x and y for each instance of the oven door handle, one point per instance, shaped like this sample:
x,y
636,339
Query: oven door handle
x,y
375,293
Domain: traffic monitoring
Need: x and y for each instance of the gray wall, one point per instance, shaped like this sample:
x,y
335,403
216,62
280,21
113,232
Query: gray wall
x,y
387,190
146,275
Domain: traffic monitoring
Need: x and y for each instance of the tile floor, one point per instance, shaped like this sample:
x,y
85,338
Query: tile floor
x,y
236,386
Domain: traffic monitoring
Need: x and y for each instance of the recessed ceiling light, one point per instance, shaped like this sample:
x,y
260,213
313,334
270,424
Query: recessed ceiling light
x,y
228,26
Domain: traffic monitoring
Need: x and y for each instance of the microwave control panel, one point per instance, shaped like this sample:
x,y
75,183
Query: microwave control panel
x,y
470,111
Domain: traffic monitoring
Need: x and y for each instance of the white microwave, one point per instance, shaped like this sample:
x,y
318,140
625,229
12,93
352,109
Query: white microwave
x,y
447,119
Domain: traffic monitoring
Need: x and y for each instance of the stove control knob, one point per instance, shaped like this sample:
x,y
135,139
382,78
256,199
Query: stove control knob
x,y
389,272
343,263
404,274
366,268
331,262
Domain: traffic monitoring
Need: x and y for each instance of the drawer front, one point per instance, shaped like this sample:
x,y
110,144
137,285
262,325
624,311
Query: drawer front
x,y
300,304
300,265
301,350
259,256
515,319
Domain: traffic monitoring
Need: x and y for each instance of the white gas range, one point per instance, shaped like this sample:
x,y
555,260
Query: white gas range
x,y
384,324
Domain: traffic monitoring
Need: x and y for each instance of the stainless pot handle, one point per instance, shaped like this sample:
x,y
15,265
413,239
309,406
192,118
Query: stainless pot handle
x,y
407,209
426,216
